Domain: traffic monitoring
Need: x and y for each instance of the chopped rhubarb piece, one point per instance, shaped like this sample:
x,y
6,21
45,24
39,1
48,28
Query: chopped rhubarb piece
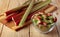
x,y
55,19
44,23
41,23
49,14
41,13
39,17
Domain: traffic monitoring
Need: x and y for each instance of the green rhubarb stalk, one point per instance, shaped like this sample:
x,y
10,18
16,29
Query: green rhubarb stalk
x,y
24,5
26,13
40,5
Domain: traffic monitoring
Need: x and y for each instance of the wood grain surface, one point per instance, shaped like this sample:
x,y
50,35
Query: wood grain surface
x,y
3,7
29,31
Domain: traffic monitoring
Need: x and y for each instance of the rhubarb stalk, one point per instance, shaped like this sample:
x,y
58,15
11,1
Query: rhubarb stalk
x,y
41,5
26,13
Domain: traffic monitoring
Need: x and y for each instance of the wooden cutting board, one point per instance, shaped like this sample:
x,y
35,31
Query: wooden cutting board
x,y
11,24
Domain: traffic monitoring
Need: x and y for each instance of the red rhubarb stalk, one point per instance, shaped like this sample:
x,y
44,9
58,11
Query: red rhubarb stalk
x,y
9,18
16,14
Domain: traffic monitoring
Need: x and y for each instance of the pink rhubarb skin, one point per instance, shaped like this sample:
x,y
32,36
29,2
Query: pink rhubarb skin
x,y
9,18
18,17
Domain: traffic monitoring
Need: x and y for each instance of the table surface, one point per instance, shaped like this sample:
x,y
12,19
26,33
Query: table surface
x,y
29,31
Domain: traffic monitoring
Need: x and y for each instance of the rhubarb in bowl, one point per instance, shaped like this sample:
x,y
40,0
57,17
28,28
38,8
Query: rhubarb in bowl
x,y
44,22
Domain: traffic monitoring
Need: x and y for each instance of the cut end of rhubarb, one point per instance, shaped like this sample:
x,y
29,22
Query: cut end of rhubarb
x,y
15,27
14,21
2,16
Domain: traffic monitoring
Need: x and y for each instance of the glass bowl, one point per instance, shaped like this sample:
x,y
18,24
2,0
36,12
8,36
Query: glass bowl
x,y
43,29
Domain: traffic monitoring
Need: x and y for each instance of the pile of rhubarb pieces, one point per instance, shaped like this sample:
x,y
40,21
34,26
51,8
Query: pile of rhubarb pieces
x,y
21,16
